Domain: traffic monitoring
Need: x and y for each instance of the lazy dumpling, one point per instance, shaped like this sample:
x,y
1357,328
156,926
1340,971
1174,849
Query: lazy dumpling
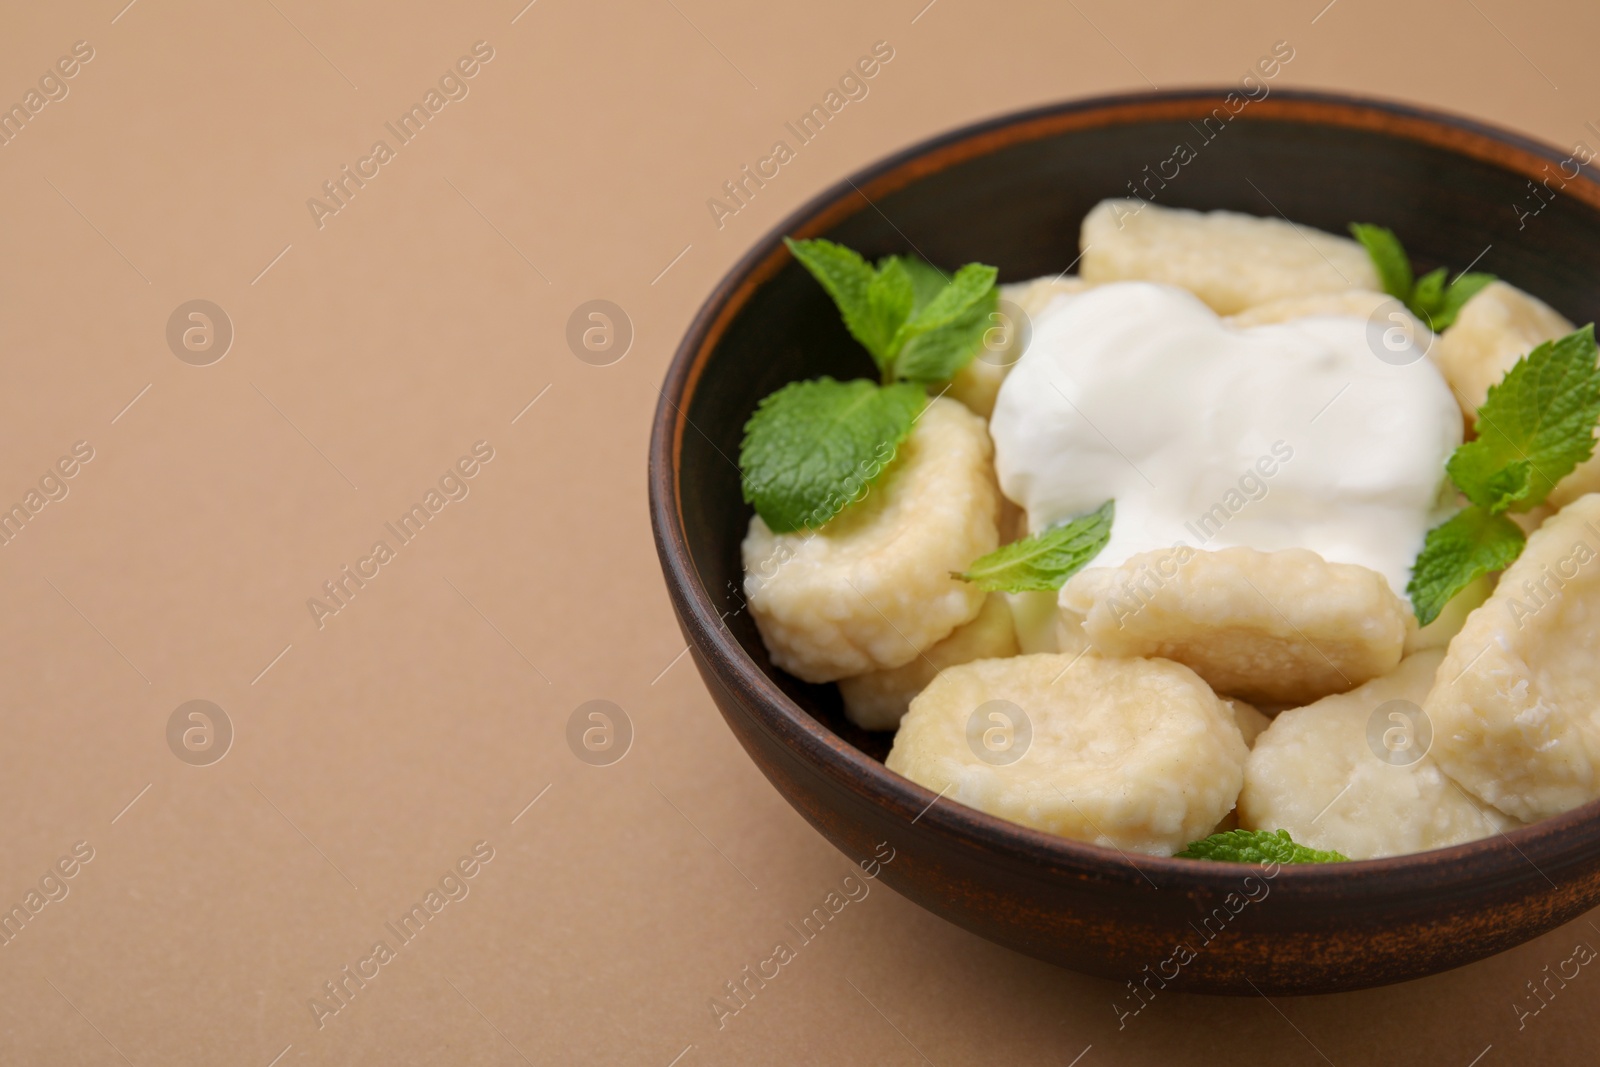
x,y
1132,753
1317,772
872,588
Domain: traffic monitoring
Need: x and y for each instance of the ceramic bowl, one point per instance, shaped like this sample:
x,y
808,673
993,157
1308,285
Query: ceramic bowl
x,y
1011,192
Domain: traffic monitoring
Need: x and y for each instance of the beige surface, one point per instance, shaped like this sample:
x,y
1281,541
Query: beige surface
x,y
425,715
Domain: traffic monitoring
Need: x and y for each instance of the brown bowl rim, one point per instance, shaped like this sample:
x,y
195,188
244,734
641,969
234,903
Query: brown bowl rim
x,y
1559,841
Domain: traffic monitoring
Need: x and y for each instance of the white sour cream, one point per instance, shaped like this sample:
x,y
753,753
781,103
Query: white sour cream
x,y
1293,435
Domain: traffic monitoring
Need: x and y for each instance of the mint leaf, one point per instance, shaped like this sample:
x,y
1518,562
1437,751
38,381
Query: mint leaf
x,y
937,356
1534,427
1257,846
813,447
905,308
1464,288
927,281
1045,560
1428,297
1388,258
889,300
969,285
1458,552
1438,304
846,277
946,327
1506,486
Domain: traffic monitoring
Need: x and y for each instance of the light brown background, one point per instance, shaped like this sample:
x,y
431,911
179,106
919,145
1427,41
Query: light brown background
x,y
428,713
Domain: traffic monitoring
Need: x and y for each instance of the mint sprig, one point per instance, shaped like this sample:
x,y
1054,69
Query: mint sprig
x,y
1429,298
1534,427
814,446
917,323
1257,846
1046,560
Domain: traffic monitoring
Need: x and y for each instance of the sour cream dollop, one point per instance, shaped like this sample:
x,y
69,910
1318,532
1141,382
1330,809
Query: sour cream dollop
x,y
1292,435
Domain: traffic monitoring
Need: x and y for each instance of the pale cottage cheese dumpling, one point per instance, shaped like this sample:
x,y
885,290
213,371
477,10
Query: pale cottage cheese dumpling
x,y
1316,773
1034,295
1360,303
1275,627
872,588
1497,327
1516,706
1229,260
978,383
1135,754
877,700
1533,518
1584,479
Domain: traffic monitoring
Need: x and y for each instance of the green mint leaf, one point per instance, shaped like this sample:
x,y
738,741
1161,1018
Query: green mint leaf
x,y
927,281
1534,427
1388,258
1507,486
919,324
1427,297
812,447
937,356
1458,552
846,277
1543,414
969,285
1257,846
889,300
1464,288
1045,560
943,334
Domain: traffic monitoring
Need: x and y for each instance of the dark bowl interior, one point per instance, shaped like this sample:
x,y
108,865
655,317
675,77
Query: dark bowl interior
x,y
1012,193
